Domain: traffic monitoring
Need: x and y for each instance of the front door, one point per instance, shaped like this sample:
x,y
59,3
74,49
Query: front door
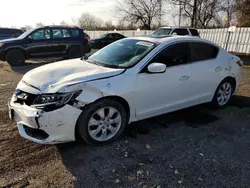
x,y
164,92
39,43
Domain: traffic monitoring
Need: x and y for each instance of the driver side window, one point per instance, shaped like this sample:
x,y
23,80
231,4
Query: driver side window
x,y
41,34
176,54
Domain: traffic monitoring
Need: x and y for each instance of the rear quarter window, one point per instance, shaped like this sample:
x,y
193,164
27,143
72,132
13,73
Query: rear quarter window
x,y
75,32
194,32
203,51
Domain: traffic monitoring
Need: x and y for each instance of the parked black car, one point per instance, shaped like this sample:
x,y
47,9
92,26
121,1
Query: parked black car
x,y
105,40
49,41
6,33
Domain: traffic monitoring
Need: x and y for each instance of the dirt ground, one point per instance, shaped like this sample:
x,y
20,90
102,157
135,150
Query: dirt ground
x,y
195,147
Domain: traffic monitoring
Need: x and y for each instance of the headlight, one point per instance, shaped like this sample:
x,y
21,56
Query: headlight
x,y
53,101
1,44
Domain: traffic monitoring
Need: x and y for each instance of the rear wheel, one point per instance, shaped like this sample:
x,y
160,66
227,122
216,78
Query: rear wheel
x,y
75,52
223,93
102,122
15,57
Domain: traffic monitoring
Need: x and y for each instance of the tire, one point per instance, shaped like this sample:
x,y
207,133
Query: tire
x,y
96,130
15,57
223,93
75,52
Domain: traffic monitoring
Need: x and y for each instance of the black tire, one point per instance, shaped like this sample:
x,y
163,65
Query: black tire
x,y
82,123
75,52
215,102
15,57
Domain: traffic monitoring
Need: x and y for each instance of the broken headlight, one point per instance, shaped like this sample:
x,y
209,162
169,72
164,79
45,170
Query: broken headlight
x,y
53,101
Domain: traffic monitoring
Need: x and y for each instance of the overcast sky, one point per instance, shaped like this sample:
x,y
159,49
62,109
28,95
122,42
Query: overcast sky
x,y
29,12
19,13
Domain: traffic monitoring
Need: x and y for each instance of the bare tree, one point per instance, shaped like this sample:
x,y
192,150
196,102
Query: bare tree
x,y
39,25
26,27
229,7
243,12
141,12
88,21
200,12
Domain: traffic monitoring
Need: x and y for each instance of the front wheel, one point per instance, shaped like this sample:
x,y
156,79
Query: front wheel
x,y
223,93
15,57
102,122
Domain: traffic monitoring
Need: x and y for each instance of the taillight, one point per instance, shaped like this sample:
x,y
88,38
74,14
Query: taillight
x,y
86,37
240,63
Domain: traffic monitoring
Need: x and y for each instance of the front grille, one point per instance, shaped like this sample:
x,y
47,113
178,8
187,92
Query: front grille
x,y
22,97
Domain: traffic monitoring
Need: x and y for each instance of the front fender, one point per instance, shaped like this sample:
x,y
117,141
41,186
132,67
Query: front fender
x,y
89,94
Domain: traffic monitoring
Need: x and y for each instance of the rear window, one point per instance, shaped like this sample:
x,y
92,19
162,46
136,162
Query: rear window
x,y
75,32
203,51
194,32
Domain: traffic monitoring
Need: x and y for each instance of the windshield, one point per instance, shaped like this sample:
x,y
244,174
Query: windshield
x,y
122,54
25,34
162,32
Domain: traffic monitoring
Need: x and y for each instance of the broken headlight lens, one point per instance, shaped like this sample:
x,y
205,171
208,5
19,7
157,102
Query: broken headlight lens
x,y
55,100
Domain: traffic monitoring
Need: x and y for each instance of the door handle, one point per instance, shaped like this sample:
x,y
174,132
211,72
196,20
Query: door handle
x,y
184,78
218,69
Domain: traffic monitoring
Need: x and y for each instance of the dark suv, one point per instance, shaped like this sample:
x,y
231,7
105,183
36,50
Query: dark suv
x,y
49,41
6,33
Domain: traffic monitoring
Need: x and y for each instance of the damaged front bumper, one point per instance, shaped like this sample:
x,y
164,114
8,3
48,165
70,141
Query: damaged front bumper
x,y
45,127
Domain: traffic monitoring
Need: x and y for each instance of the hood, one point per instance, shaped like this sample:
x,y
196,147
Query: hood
x,y
9,40
63,73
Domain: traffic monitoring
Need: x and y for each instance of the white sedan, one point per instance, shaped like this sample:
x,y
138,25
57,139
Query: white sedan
x,y
129,80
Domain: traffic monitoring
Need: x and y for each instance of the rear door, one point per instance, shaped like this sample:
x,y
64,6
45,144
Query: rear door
x,y
60,41
207,70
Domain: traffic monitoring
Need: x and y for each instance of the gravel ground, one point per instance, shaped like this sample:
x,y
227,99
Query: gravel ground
x,y
195,147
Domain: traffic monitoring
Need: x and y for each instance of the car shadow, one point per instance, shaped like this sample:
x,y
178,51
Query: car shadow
x,y
104,166
31,64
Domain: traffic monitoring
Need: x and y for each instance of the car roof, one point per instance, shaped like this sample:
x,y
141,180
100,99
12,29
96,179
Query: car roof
x,y
5,28
169,27
60,26
170,38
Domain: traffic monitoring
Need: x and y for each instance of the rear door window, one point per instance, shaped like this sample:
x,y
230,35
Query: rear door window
x,y
57,33
194,32
181,31
203,51
65,33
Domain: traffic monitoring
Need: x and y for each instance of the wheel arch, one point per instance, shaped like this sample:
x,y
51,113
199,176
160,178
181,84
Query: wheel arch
x,y
121,100
231,79
15,48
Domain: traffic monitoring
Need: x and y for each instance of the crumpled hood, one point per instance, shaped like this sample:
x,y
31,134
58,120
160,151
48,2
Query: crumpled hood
x,y
64,73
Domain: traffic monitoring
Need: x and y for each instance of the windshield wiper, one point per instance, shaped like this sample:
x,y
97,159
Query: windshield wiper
x,y
94,62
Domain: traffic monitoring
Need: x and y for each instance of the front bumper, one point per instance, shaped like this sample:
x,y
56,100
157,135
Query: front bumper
x,y
2,55
45,127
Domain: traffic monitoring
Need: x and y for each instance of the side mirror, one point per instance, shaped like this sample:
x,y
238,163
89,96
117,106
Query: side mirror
x,y
30,37
157,68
